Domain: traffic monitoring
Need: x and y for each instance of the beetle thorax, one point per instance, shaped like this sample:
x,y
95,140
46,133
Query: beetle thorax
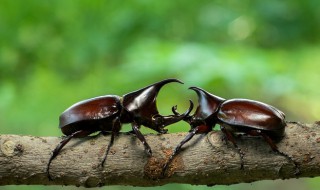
x,y
125,115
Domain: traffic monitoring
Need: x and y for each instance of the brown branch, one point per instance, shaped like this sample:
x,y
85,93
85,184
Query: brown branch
x,y
206,159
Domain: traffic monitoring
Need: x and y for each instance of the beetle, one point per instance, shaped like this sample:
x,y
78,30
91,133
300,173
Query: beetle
x,y
235,116
107,113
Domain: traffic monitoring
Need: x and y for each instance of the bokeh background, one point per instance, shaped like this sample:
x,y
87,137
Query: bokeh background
x,y
55,53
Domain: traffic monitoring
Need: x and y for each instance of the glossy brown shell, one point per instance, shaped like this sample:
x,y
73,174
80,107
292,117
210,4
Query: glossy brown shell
x,y
252,114
90,110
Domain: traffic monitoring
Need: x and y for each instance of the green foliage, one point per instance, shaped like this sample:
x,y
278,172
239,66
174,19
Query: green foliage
x,y
55,53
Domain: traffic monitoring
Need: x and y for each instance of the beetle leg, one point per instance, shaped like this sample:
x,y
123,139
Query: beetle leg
x,y
230,137
275,149
135,128
115,129
191,133
56,151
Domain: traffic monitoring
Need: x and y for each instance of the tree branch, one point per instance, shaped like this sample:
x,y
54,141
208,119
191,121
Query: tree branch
x,y
206,159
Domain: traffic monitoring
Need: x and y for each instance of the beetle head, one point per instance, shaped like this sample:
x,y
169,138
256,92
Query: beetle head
x,y
142,108
206,110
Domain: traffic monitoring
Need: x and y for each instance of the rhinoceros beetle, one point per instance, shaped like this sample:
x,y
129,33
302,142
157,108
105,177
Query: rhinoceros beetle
x,y
235,116
107,113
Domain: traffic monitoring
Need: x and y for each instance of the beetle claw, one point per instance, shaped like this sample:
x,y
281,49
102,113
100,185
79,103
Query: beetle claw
x,y
49,177
297,171
149,152
163,131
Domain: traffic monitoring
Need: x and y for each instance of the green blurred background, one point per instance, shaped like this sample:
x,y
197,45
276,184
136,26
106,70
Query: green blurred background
x,y
55,53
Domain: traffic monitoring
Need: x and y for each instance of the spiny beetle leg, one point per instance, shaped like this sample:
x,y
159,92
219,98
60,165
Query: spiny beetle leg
x,y
275,149
229,137
115,130
62,143
135,128
189,136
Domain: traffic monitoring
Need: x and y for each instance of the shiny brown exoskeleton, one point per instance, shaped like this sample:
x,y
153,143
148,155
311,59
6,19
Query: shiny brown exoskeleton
x,y
235,116
107,113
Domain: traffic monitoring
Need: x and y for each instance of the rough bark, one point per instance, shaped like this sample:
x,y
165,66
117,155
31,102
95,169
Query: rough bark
x,y
206,159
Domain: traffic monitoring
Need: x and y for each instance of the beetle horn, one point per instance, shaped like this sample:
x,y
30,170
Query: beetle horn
x,y
141,105
186,115
168,120
208,103
144,100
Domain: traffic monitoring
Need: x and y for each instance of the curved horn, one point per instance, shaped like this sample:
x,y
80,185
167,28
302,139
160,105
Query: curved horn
x,y
208,103
141,107
167,120
143,102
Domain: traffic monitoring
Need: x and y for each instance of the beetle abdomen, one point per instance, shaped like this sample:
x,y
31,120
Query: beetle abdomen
x,y
91,109
252,114
88,125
